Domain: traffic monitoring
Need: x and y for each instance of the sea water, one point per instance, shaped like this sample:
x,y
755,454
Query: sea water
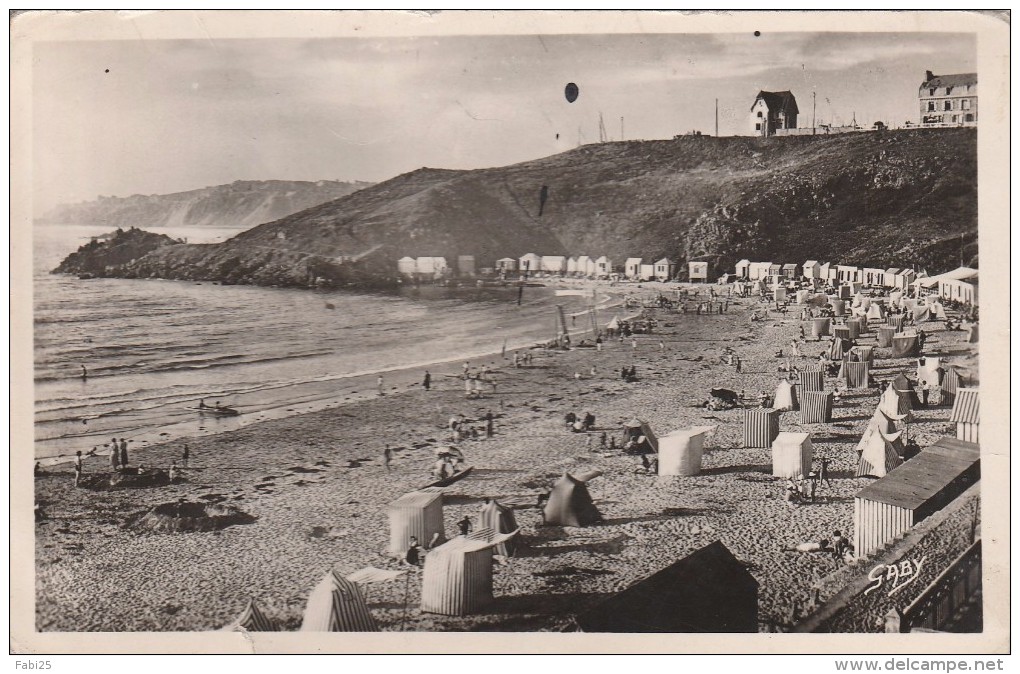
x,y
154,348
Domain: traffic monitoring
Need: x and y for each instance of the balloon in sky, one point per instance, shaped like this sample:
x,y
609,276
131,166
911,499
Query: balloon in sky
x,y
571,92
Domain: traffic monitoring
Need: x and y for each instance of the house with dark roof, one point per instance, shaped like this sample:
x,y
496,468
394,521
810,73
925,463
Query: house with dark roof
x,y
773,110
948,100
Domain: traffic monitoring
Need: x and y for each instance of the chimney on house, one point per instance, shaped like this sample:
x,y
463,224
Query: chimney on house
x,y
928,76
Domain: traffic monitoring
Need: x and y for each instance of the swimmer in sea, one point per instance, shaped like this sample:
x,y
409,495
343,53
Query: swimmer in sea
x,y
84,372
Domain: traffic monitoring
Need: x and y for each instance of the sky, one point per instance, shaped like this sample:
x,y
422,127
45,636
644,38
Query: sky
x,y
127,117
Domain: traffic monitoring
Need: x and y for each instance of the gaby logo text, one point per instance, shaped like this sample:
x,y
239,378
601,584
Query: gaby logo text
x,y
894,577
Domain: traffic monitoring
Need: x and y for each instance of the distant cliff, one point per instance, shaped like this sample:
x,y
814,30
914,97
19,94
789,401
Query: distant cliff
x,y
888,199
241,204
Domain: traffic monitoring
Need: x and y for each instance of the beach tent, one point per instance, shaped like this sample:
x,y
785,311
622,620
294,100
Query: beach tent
x,y
864,354
875,312
791,455
252,619
895,298
820,327
972,333
613,324
802,296
838,306
786,396
895,321
680,452
708,591
858,324
910,303
418,514
929,371
938,312
815,407
922,313
457,579
761,426
880,454
966,414
885,335
893,404
639,427
881,421
779,295
841,332
501,520
905,346
854,374
811,380
818,300
570,504
951,383
337,605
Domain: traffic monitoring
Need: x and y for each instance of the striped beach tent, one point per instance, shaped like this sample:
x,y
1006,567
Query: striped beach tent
x,y
337,605
881,421
881,453
791,455
680,452
501,520
815,407
418,514
885,335
841,332
896,321
761,426
905,346
966,414
820,327
457,579
893,404
252,619
854,374
811,380
864,354
837,348
785,397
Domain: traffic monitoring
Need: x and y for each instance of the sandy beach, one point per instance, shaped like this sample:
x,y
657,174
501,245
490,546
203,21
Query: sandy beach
x,y
317,488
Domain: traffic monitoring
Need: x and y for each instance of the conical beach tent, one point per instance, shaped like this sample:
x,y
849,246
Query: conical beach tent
x,y
786,397
337,605
501,520
881,422
875,312
879,455
893,404
570,504
252,619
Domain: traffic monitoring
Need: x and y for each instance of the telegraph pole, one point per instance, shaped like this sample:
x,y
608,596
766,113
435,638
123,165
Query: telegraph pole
x,y
621,129
717,118
813,127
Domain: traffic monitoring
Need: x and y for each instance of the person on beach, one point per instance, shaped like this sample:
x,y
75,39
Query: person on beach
x,y
379,384
413,554
426,383
201,404
78,466
387,454
84,373
602,440
489,424
115,458
823,471
516,360
464,525
467,366
820,546
185,455
598,343
633,343
123,453
839,544
593,371
813,481
740,364
173,471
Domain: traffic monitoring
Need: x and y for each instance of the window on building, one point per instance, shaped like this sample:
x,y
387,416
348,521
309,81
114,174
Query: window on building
x,y
931,92
757,127
759,114
954,120
949,90
949,105
965,104
931,106
968,118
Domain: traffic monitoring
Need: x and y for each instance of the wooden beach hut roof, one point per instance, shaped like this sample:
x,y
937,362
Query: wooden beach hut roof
x,y
708,591
925,477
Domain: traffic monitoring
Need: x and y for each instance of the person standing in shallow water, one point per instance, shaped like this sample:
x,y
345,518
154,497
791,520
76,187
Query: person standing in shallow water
x,y
78,466
123,453
184,456
426,383
115,456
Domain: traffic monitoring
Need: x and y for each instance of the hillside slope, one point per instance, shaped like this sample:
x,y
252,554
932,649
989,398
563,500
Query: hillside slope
x,y
884,199
243,203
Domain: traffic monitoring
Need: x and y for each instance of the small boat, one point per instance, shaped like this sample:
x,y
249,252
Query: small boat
x,y
451,479
217,411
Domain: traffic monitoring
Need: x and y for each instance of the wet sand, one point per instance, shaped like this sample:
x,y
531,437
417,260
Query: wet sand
x,y
318,488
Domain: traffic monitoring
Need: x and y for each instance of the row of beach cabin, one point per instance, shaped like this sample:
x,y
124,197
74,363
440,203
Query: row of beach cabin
x,y
583,266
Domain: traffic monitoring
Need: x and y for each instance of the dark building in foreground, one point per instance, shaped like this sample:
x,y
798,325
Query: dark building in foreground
x,y
708,591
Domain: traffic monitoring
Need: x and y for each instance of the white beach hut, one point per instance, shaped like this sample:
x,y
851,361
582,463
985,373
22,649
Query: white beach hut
x,y
791,455
680,452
